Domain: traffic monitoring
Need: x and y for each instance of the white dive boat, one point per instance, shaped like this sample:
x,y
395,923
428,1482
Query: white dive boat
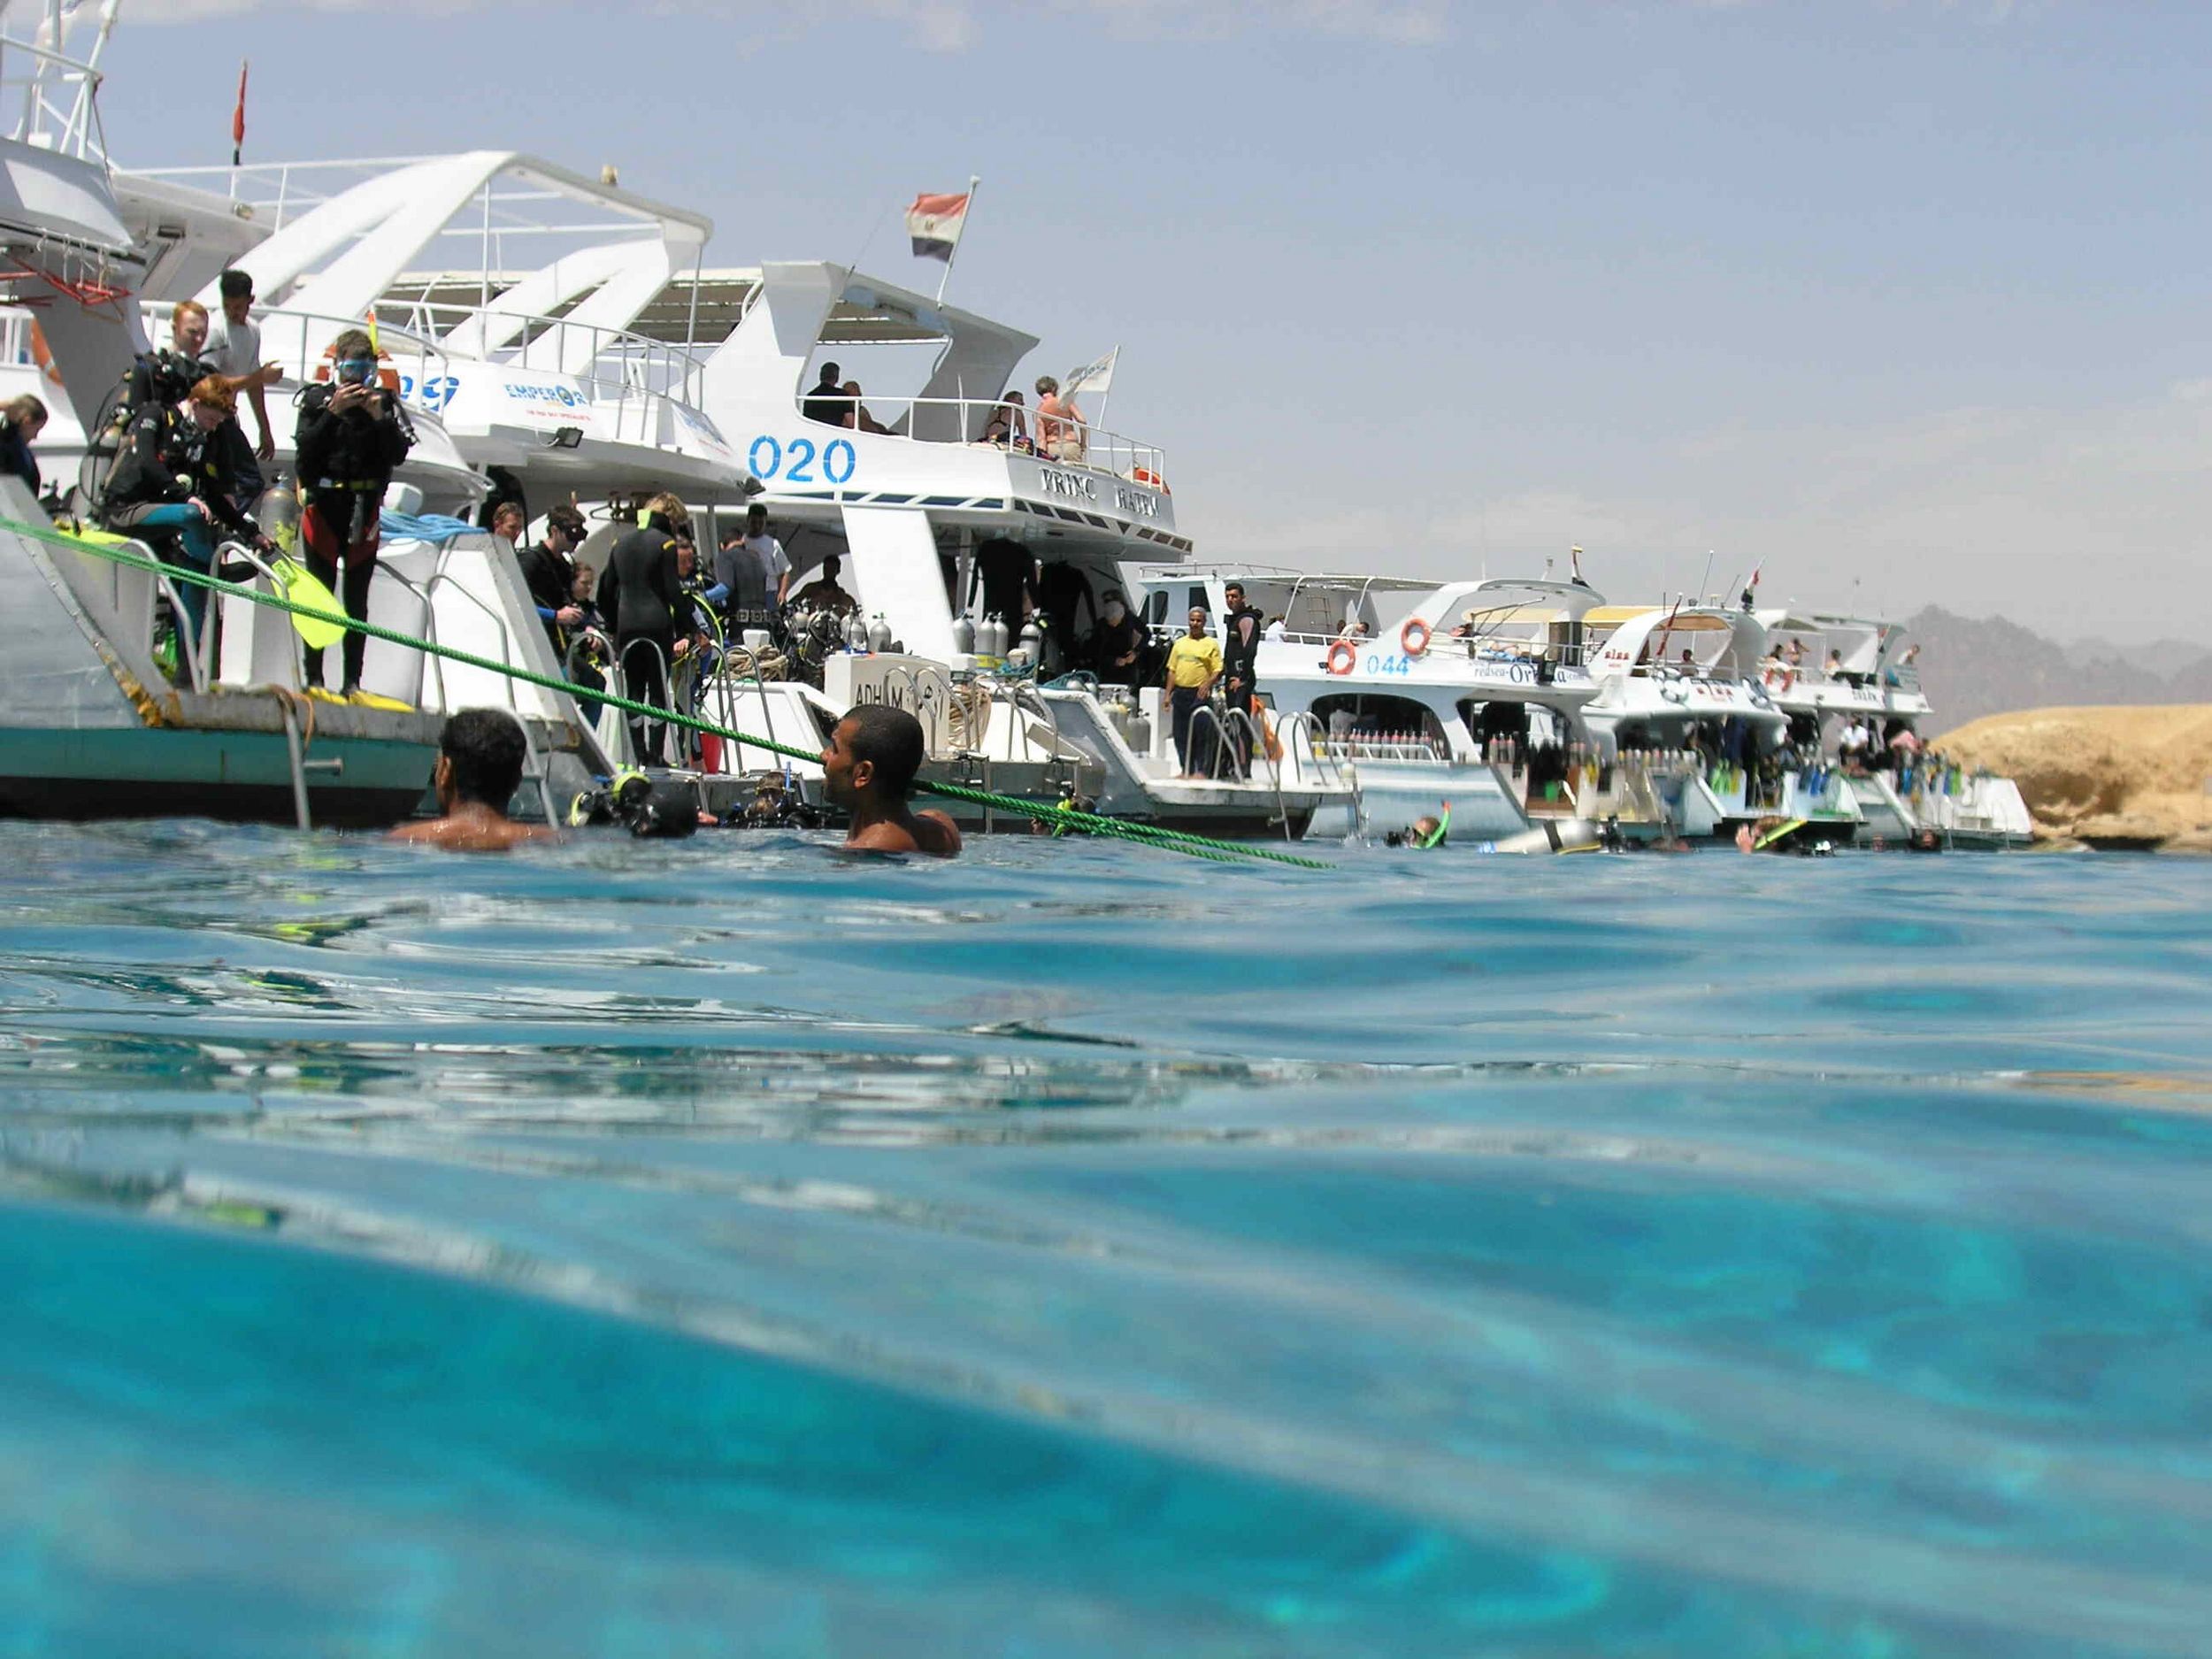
x,y
936,530
1364,675
90,723
1824,672
620,366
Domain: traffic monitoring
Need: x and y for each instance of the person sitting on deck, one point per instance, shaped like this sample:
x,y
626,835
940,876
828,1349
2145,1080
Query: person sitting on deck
x,y
173,486
480,756
826,402
1060,426
856,416
825,593
1008,427
868,769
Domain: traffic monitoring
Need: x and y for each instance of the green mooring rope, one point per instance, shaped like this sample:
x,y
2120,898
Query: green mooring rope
x,y
1184,841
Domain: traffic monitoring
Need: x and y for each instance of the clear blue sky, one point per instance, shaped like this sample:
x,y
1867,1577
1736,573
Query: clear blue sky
x,y
1907,295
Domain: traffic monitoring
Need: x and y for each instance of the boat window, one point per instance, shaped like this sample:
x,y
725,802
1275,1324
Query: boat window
x,y
1366,714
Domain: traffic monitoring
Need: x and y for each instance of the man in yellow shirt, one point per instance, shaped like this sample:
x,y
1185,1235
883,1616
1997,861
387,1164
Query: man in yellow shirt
x,y
1194,663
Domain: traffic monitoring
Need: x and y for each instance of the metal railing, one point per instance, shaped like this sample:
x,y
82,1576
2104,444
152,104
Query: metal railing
x,y
623,379
968,419
60,94
298,342
610,363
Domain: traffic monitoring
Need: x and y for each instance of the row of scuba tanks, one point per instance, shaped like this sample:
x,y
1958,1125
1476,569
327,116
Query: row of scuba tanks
x,y
994,637
868,636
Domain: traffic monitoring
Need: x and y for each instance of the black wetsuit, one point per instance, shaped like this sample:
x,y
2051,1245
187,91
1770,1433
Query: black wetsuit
x,y
1240,655
643,598
1009,571
1114,641
346,458
165,461
16,457
551,579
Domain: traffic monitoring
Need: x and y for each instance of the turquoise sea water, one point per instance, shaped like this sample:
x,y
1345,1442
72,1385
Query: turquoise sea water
x,y
727,1248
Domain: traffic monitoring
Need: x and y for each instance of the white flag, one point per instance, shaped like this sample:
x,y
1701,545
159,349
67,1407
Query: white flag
x,y
1095,376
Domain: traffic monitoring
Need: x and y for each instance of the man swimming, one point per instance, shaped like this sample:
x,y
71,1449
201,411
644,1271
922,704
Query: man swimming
x,y
868,769
481,753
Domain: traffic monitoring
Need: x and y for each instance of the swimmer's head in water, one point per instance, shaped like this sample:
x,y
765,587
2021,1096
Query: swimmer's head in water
x,y
875,750
481,753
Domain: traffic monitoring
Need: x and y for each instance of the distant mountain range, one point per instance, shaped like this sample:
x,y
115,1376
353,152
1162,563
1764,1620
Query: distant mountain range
x,y
1970,666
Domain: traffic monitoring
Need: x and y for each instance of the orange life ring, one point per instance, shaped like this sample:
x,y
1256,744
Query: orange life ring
x,y
1407,643
41,355
1146,475
1350,659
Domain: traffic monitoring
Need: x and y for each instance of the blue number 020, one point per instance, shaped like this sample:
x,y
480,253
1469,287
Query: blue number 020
x,y
766,458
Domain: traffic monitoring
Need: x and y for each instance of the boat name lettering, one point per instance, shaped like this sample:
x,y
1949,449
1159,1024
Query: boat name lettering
x,y
794,460
1054,482
567,396
1136,504
434,392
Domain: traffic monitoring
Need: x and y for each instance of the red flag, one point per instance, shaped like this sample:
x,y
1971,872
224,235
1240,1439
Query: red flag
x,y
238,118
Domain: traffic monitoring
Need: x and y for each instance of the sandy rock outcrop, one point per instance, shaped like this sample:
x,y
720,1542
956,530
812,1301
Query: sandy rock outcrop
x,y
2120,777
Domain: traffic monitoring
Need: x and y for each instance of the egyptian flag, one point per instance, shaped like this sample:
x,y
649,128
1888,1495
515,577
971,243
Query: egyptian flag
x,y
238,118
935,223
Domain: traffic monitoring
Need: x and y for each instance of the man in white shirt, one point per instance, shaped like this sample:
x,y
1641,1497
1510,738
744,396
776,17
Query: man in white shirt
x,y
233,350
1852,746
767,582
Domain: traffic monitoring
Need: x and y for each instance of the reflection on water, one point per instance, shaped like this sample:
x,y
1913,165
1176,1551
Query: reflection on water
x,y
642,1248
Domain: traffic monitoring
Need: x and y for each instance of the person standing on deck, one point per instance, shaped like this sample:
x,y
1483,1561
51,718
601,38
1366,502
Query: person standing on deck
x,y
351,435
642,596
233,350
753,568
1240,655
549,570
1194,663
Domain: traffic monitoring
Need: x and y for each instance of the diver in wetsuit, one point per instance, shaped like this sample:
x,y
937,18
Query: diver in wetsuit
x,y
172,485
642,594
351,435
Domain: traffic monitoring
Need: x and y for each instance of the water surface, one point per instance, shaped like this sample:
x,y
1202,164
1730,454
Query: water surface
x,y
638,1248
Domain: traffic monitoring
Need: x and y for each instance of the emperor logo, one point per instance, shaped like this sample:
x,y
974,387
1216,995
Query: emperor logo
x,y
1055,483
566,396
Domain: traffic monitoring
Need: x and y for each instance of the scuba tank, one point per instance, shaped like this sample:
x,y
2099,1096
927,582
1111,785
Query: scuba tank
x,y
277,514
1032,638
879,634
855,634
962,636
991,638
